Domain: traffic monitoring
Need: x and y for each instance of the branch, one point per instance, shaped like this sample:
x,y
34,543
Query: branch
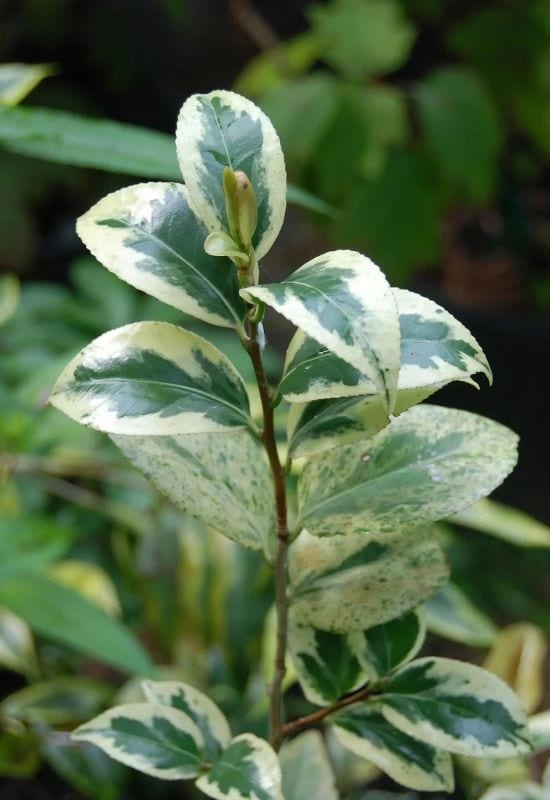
x,y
312,719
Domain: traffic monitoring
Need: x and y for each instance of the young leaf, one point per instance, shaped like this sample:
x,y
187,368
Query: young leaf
x,y
326,665
457,707
57,701
222,129
449,613
197,706
307,772
223,481
149,237
155,739
247,769
152,378
427,464
364,731
343,301
18,80
383,648
347,583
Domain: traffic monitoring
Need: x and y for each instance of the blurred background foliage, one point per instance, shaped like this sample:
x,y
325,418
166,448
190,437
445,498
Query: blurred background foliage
x,y
422,128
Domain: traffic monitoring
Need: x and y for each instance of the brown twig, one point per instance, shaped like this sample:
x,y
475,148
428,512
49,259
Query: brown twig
x,y
318,716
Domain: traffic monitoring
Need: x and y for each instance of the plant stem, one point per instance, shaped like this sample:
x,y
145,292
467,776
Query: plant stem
x,y
276,727
312,719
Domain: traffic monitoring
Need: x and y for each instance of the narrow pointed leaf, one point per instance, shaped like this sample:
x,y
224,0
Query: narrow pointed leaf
x,y
427,464
383,648
149,237
222,129
457,707
197,706
504,522
307,772
325,663
343,301
152,378
18,80
416,765
347,583
247,770
155,739
203,475
449,613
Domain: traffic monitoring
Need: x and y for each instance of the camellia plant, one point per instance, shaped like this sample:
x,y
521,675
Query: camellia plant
x,y
342,511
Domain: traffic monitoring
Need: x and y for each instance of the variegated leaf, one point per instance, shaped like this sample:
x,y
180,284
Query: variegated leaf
x,y
222,129
155,739
416,765
519,656
343,301
152,378
457,707
347,583
149,237
56,701
516,791
307,772
449,613
323,424
427,464
326,665
383,648
223,481
247,770
197,706
539,731
504,522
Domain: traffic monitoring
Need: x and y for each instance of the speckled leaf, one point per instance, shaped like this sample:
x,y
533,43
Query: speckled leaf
x,y
152,378
416,765
149,237
383,648
247,770
326,665
307,772
428,463
343,301
457,707
205,714
347,583
155,739
222,129
449,613
203,475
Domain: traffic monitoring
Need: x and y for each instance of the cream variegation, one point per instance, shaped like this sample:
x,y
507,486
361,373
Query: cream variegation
x,y
247,770
307,771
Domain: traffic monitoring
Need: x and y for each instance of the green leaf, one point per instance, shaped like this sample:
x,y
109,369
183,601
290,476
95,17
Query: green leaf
x,y
449,613
152,378
197,706
416,765
9,297
155,739
18,80
343,301
307,772
462,130
89,580
383,648
148,235
19,756
17,651
57,701
361,38
457,707
223,481
84,767
427,464
325,663
504,522
222,129
353,582
63,615
28,542
265,71
247,769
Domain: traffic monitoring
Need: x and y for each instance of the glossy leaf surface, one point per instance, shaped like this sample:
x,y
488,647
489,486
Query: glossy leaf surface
x,y
247,769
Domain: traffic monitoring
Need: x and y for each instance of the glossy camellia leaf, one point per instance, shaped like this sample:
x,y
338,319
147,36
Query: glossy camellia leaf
x,y
152,738
57,701
325,663
148,235
427,464
343,301
412,763
457,707
222,129
383,648
306,767
152,378
248,768
203,475
348,583
197,706
449,613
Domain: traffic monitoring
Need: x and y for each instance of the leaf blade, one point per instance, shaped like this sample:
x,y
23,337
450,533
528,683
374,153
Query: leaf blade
x,y
247,768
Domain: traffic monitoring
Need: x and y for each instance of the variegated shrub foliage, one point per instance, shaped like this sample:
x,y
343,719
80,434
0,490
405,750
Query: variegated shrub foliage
x,y
359,555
